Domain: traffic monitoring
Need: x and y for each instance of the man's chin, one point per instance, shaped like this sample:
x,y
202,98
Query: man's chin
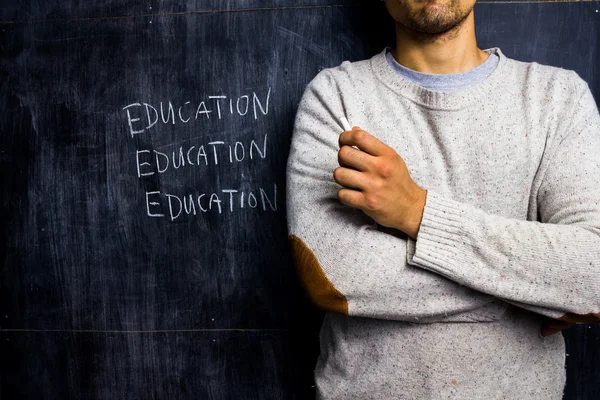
x,y
433,20
433,28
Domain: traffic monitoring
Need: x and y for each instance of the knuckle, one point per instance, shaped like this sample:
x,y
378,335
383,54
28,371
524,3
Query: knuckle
x,y
344,151
391,153
377,186
359,136
371,203
385,168
343,196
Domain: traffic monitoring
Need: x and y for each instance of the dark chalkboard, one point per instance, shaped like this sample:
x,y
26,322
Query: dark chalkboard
x,y
143,148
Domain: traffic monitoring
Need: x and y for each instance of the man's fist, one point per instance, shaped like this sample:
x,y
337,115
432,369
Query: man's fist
x,y
375,179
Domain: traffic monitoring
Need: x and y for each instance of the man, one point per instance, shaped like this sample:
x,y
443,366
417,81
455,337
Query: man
x,y
457,217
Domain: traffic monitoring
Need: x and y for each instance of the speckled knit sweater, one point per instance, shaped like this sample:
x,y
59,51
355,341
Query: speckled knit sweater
x,y
510,232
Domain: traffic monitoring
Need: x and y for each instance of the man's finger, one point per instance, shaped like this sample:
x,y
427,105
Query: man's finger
x,y
352,198
353,158
553,326
350,178
559,325
549,331
364,141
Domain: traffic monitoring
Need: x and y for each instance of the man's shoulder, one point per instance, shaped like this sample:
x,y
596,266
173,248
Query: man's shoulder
x,y
354,69
346,73
537,76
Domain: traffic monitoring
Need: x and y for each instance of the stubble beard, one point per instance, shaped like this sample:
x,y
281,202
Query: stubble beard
x,y
428,25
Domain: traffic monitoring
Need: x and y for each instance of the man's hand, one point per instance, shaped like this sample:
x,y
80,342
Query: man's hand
x,y
376,180
552,326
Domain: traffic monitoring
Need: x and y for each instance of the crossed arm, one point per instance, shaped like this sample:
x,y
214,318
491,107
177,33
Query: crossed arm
x,y
460,257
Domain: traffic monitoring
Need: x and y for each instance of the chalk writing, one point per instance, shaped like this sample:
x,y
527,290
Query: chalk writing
x,y
225,200
142,117
149,162
200,153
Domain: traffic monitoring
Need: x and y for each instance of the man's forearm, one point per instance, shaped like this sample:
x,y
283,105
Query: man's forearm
x,y
553,267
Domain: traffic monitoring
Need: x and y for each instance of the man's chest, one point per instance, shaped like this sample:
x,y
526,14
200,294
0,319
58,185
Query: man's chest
x,y
487,160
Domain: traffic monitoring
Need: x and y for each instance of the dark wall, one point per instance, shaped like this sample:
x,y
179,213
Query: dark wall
x,y
114,284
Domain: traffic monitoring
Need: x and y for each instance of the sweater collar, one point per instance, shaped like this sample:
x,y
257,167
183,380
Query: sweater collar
x,y
439,100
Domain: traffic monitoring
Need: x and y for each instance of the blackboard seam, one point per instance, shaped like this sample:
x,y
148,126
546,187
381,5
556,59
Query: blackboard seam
x,y
199,12
139,331
535,1
256,9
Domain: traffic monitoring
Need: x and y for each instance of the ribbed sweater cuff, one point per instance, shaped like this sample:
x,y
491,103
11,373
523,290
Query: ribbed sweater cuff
x,y
442,239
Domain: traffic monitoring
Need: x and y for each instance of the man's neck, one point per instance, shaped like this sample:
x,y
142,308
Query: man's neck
x,y
452,52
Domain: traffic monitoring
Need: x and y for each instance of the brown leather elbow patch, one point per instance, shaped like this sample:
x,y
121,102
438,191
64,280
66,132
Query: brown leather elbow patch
x,y
319,288
581,318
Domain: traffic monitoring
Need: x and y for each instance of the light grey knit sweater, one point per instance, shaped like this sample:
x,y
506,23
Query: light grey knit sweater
x,y
510,232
